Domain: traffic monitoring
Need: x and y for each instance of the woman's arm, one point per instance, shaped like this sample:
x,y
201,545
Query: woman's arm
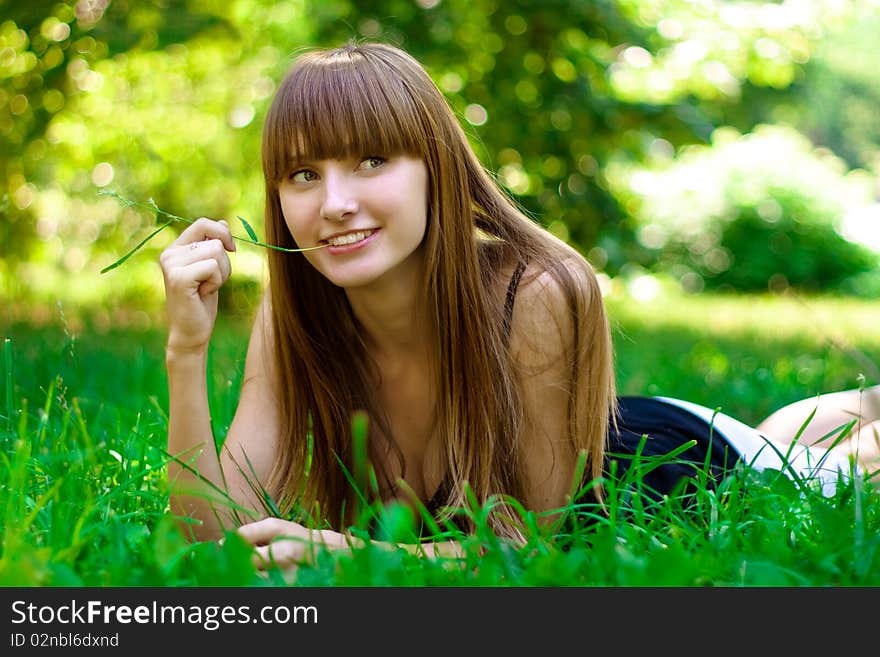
x,y
195,266
248,451
542,336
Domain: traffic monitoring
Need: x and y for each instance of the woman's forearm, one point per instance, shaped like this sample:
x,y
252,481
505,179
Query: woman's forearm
x,y
194,472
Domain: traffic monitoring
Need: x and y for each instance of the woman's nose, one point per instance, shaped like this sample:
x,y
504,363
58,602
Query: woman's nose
x,y
339,197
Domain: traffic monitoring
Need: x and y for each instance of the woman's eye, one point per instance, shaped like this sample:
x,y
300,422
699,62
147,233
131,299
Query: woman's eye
x,y
303,175
372,162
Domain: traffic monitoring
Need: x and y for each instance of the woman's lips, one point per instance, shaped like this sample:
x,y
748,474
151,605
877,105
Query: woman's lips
x,y
341,249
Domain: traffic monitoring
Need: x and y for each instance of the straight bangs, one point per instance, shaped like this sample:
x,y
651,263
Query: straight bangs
x,y
341,105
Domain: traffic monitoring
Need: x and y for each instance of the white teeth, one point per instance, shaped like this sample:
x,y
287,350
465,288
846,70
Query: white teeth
x,y
350,238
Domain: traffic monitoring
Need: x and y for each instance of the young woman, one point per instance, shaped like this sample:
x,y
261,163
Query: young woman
x,y
475,342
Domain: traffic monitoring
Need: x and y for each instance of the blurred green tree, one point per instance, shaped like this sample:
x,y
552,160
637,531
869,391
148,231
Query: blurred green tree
x,y
750,212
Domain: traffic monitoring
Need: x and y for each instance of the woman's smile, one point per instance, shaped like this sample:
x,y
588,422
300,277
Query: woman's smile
x,y
348,242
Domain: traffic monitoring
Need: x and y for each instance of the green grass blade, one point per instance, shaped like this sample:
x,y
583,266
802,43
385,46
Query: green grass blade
x,y
137,248
247,227
7,357
252,236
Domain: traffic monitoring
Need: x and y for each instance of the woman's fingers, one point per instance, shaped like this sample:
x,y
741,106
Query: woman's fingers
x,y
195,266
213,249
263,531
283,553
280,543
205,275
207,229
201,264
201,240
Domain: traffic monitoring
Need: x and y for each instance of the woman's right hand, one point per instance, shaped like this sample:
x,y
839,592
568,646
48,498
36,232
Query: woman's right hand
x,y
195,266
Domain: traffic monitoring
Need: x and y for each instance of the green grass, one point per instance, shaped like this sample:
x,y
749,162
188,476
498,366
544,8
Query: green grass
x,y
83,499
749,355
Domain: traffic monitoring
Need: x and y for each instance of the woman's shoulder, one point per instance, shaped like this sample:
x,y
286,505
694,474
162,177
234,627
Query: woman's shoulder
x,y
544,308
548,287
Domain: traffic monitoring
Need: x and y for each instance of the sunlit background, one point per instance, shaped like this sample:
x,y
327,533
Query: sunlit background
x,y
680,145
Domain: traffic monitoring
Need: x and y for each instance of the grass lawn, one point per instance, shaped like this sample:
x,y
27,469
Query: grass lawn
x,y
82,499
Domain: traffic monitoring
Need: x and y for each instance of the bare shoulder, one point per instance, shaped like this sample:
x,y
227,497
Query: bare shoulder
x,y
543,322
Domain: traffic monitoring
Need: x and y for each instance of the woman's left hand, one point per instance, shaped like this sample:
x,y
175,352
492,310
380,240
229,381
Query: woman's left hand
x,y
284,544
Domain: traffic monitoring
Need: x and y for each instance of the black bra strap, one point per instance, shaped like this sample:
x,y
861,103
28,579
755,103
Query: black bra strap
x,y
511,298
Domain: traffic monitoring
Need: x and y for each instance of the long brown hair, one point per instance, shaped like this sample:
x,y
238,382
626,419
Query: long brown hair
x,y
371,98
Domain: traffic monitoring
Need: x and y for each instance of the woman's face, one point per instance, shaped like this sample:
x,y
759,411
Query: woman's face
x,y
371,210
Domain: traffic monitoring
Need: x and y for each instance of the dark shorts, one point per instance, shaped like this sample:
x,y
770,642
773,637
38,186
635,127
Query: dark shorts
x,y
652,428
651,433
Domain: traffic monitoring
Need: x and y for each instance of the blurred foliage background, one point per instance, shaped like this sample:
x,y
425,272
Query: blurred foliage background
x,y
727,145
